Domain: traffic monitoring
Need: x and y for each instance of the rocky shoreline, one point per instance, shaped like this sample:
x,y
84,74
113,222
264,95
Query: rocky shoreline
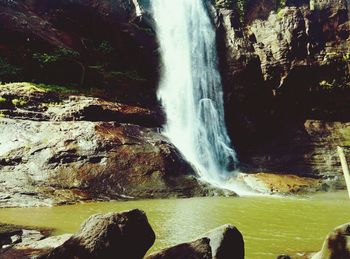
x,y
129,235
120,235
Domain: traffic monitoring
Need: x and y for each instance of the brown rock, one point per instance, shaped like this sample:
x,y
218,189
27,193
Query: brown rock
x,y
277,183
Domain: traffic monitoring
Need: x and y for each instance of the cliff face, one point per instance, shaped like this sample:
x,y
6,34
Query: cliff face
x,y
286,69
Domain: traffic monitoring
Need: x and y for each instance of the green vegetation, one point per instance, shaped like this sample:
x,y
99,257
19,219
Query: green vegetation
x,y
280,4
346,57
43,88
242,5
62,54
105,48
2,100
329,85
131,75
312,5
223,3
21,102
8,71
56,88
143,29
325,85
58,54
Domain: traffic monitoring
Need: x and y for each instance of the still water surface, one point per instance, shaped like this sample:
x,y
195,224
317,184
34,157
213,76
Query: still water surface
x,y
270,226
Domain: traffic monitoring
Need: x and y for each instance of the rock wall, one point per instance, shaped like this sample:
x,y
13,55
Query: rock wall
x,y
285,70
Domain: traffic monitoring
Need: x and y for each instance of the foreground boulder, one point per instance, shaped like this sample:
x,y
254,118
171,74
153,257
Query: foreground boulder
x,y
336,244
113,235
221,243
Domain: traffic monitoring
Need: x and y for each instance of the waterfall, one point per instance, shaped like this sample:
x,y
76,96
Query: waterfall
x,y
190,89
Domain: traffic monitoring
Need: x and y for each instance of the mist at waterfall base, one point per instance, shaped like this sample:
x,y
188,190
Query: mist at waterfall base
x,y
191,91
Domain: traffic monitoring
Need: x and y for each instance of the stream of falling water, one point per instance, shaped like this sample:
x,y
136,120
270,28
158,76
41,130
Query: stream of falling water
x,y
190,89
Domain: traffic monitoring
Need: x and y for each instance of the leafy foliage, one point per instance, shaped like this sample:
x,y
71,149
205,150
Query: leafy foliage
x,y
241,5
61,54
58,54
42,88
346,57
223,3
8,71
21,102
106,48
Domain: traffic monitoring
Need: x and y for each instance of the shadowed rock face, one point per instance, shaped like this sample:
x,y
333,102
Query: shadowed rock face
x,y
110,46
284,70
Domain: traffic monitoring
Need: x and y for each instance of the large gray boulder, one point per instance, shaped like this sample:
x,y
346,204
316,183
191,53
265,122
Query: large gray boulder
x,y
224,242
113,235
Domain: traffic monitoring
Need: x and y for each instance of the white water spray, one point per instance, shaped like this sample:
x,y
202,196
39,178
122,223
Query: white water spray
x,y
190,88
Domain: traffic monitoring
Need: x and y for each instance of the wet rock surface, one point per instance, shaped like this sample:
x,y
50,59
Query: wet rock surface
x,y
74,153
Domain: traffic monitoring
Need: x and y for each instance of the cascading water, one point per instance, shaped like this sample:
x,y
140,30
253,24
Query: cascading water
x,y
190,88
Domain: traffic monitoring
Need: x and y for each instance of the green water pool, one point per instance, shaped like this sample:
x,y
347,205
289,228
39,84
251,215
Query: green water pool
x,y
270,225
